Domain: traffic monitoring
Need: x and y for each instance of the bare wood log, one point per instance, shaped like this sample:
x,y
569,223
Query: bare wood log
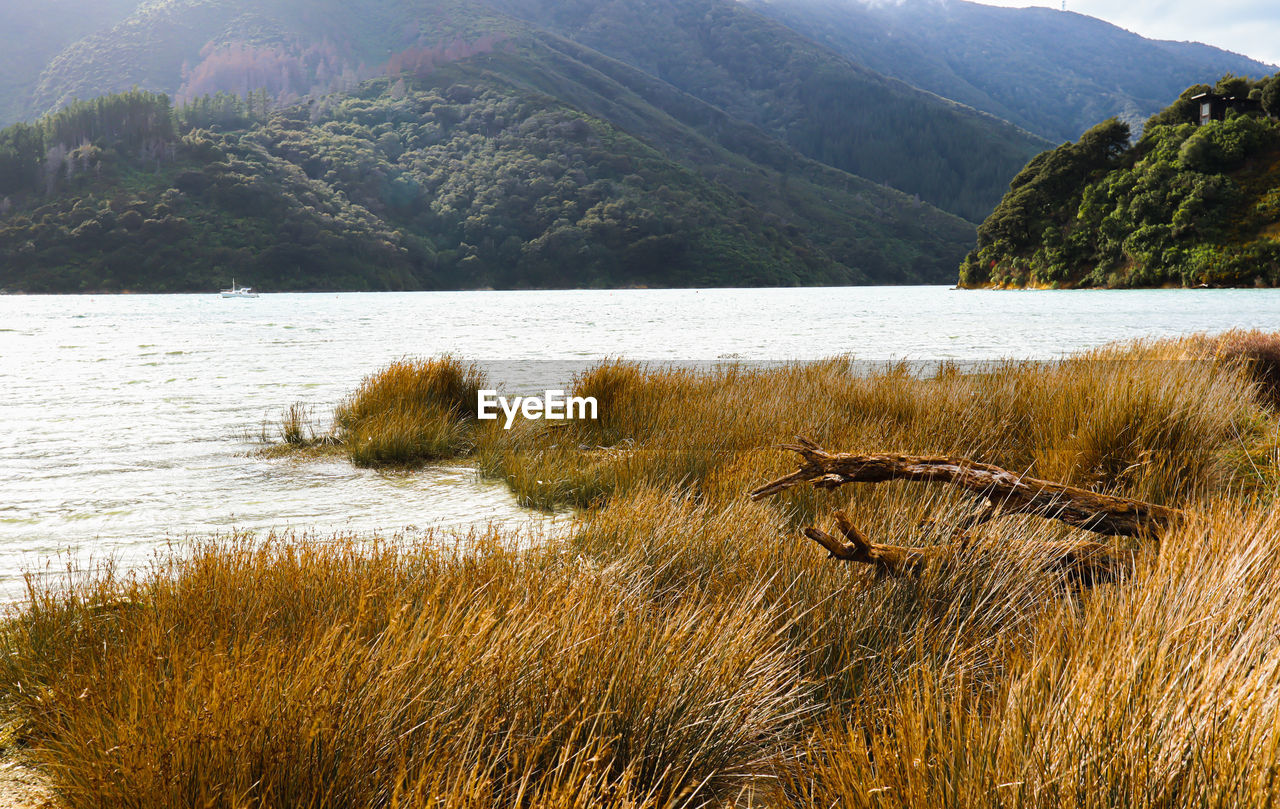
x,y
1008,492
896,560
1083,561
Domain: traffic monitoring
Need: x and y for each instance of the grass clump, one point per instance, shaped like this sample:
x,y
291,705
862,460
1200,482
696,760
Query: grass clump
x,y
411,412
1259,352
295,425
294,435
295,674
1159,693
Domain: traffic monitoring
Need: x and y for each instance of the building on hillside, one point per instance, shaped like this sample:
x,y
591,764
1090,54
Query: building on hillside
x,y
1213,107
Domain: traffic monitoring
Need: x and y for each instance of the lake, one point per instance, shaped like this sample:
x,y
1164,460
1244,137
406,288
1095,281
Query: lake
x,y
128,423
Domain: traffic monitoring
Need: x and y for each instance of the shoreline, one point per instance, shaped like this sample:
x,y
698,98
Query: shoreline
x,y
642,288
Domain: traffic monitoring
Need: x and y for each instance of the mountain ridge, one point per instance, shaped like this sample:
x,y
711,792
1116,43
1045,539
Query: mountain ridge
x,y
794,95
1015,62
359,174
766,141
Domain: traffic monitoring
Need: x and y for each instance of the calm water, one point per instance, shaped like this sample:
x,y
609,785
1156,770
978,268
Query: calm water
x,y
127,422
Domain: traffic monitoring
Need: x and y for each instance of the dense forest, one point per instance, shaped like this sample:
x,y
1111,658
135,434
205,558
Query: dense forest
x,y
865,87
395,144
1187,204
441,177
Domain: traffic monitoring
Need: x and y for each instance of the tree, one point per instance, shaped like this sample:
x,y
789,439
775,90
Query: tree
x,y
21,149
1271,96
1182,111
1232,85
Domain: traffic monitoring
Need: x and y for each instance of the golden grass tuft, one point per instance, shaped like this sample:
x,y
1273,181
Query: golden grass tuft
x,y
411,412
1259,352
684,646
1162,692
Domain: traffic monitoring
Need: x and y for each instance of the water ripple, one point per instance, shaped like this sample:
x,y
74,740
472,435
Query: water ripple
x,y
125,423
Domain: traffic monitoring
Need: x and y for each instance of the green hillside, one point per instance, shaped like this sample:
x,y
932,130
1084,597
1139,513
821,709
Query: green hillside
x,y
32,34
755,71
821,104
310,45
449,177
1187,205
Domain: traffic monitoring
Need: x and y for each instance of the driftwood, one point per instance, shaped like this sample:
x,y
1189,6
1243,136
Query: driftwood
x,y
1081,560
1003,493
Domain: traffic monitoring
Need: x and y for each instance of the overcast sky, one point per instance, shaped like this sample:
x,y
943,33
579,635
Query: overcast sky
x,y
1251,27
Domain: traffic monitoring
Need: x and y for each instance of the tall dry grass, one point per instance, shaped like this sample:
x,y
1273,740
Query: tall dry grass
x,y
1159,421
1161,692
1257,351
335,674
684,646
411,412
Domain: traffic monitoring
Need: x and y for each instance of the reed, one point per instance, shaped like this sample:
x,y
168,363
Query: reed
x,y
295,435
684,646
1158,693
411,412
1258,351
1157,421
341,674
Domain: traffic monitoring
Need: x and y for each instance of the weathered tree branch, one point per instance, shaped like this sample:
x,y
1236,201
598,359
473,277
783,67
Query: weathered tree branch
x,y
1003,492
1081,560
893,559
1006,492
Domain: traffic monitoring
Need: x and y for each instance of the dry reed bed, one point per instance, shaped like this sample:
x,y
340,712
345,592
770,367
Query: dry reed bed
x,y
684,646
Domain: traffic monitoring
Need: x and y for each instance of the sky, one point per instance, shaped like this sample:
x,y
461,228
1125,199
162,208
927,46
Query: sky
x,y
1251,27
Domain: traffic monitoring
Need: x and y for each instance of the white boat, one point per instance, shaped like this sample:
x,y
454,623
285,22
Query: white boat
x,y
238,292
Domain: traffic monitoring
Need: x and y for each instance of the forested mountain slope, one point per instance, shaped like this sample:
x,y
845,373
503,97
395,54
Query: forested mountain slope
x,y
756,71
1053,73
32,34
451,175
291,47
1187,205
461,143
824,106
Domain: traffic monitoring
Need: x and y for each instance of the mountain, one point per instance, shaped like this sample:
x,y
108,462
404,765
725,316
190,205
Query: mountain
x,y
754,70
460,171
1189,204
825,106
1054,73
33,34
721,198
292,47
328,144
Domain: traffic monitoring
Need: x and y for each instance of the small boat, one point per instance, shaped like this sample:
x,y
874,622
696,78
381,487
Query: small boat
x,y
238,292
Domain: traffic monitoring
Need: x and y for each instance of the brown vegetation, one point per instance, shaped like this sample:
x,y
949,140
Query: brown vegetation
x,y
1259,351
410,412
1003,493
680,647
